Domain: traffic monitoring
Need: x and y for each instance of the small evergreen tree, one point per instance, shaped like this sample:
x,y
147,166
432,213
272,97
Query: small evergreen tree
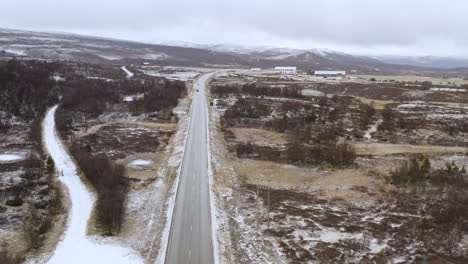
x,y
452,167
50,164
426,164
88,148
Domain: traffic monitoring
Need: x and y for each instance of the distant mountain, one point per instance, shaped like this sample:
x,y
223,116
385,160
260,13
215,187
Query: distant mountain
x,y
426,61
63,46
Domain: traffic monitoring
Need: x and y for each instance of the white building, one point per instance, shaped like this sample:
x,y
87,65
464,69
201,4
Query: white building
x,y
286,70
256,69
330,73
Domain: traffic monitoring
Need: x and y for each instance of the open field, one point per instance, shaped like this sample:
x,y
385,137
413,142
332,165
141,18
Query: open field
x,y
281,203
409,78
259,136
391,149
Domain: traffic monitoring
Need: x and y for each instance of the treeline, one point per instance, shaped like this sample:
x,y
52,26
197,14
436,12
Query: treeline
x,y
253,89
93,97
160,95
26,89
109,181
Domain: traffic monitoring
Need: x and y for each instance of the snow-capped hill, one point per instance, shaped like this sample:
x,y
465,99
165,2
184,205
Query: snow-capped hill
x,y
63,46
426,61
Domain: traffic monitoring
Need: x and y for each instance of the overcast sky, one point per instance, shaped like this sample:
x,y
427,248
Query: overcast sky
x,y
404,27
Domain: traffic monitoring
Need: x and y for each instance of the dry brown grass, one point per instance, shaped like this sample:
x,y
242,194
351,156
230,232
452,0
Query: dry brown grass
x,y
279,175
259,136
331,184
378,104
391,149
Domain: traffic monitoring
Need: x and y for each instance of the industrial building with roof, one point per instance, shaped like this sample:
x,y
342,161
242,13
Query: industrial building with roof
x,y
286,70
330,73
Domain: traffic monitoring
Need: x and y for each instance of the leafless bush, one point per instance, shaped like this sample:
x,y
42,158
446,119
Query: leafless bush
x,y
339,155
26,88
366,112
7,258
109,181
389,119
408,173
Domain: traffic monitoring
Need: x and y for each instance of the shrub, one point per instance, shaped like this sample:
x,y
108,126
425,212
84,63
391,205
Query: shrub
x,y
14,202
389,118
452,167
409,173
45,191
7,258
41,204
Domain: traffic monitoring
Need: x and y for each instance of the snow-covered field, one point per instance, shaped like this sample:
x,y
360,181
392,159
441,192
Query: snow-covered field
x,y
75,246
435,111
448,90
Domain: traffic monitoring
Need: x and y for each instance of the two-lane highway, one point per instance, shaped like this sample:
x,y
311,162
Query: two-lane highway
x,y
190,239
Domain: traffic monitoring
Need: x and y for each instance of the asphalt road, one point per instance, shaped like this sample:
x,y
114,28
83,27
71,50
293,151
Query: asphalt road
x,y
190,236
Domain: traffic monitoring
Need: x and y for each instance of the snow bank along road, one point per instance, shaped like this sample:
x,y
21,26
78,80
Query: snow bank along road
x,y
190,239
74,246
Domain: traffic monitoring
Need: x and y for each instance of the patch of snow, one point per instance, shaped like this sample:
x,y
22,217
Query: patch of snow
x,y
448,90
333,236
16,51
446,116
57,78
140,162
99,78
312,92
376,247
372,129
152,56
110,57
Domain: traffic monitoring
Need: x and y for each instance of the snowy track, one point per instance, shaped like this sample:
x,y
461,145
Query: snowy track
x,y
75,246
129,73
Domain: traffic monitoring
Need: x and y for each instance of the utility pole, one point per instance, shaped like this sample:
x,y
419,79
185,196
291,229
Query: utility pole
x,y
257,214
268,212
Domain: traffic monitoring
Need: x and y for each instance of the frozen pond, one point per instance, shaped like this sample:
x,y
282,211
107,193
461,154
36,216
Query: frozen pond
x,y
8,157
139,162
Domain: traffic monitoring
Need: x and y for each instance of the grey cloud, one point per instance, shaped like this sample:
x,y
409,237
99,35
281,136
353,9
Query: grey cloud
x,y
428,27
